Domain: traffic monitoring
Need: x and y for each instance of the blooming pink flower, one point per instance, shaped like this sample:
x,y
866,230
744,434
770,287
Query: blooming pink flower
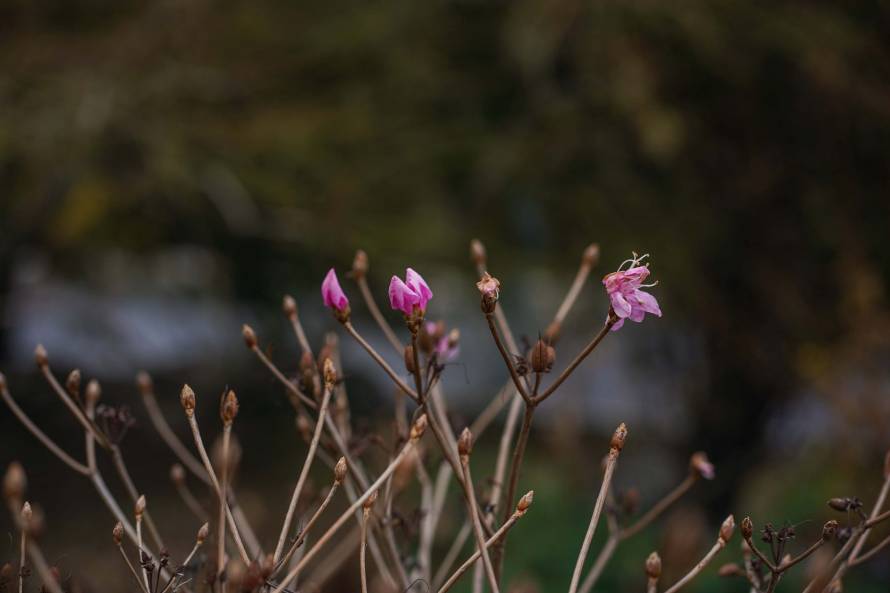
x,y
628,301
410,294
332,294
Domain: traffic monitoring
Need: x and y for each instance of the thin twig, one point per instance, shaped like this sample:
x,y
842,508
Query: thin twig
x,y
385,327
477,524
719,545
577,361
379,360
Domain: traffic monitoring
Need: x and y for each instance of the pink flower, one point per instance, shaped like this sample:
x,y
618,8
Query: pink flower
x,y
332,294
413,293
623,288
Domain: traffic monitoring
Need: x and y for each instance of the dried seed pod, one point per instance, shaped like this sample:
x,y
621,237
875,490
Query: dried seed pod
x,y
489,287
418,428
72,383
465,443
829,530
330,373
747,528
619,437
203,532
289,306
249,336
14,482
542,357
525,502
359,264
727,529
340,470
40,356
653,566
177,474
117,534
229,409
187,399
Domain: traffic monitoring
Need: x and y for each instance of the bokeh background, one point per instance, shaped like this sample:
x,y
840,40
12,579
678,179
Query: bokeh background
x,y
170,169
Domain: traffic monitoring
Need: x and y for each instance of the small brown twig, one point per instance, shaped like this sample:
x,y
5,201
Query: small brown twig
x,y
465,445
359,274
379,360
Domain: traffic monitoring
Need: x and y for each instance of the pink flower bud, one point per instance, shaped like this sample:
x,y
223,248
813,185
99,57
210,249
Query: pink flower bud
x,y
409,295
332,294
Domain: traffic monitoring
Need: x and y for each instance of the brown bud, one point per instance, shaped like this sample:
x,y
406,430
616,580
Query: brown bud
x,y
14,482
359,264
619,437
144,383
653,566
700,466
409,358
591,255
418,428
525,502
465,443
340,470
249,336
139,507
542,357
93,393
747,528
41,356
177,474
369,502
829,530
229,408
187,399
27,513
203,532
477,252
490,289
839,504
289,306
330,373
730,569
117,534
72,383
727,529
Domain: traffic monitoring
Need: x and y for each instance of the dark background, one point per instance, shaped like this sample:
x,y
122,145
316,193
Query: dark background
x,y
170,169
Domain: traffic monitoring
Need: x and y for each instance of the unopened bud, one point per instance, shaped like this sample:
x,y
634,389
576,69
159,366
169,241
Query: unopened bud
x,y
525,502
203,532
490,289
340,470
839,504
93,393
727,529
289,306
829,530
359,264
409,358
330,373
117,534
72,383
14,482
477,252
700,466
653,566
249,336
591,255
144,383
27,513
229,409
619,437
41,356
418,428
369,502
730,569
465,443
177,474
542,357
187,399
139,507
747,528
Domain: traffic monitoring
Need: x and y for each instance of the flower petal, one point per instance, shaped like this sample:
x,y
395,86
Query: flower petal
x,y
647,302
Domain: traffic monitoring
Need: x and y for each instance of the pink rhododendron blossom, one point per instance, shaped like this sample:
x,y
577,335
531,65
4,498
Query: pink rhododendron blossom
x,y
625,294
409,294
332,294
